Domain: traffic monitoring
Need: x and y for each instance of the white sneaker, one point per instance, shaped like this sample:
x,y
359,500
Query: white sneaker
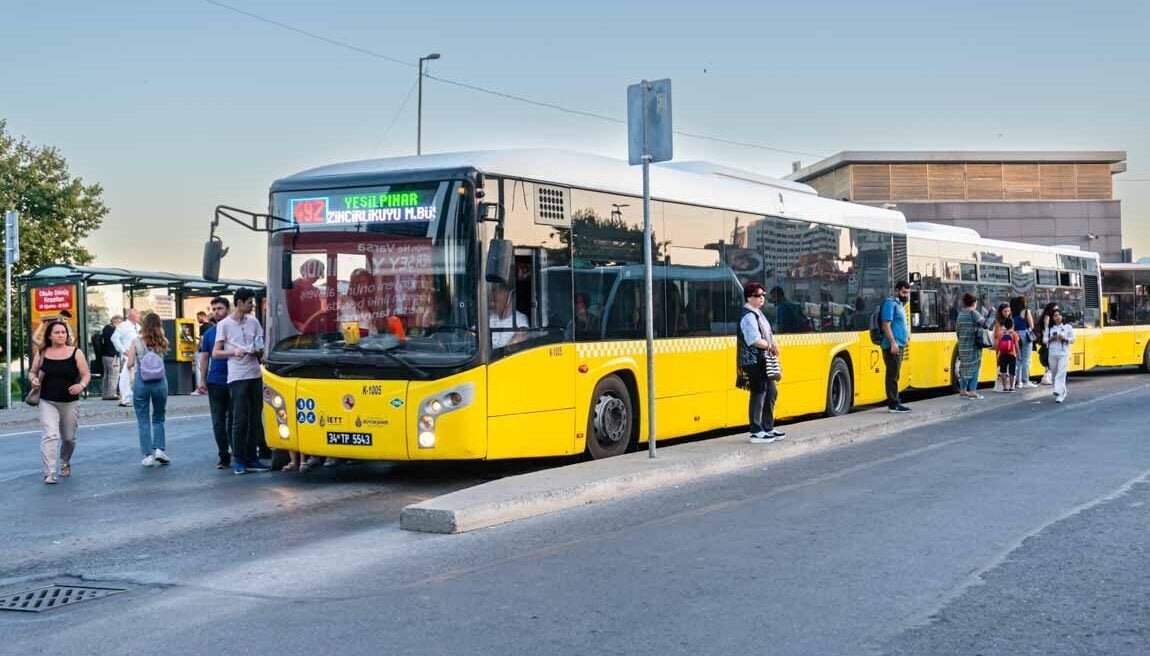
x,y
759,437
162,458
148,461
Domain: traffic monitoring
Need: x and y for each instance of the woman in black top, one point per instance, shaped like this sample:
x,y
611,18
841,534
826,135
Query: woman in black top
x,y
60,370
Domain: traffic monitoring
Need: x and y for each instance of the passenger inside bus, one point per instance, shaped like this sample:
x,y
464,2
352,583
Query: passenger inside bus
x,y
305,301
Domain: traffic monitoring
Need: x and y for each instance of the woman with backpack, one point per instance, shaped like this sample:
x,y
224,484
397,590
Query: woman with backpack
x,y
59,374
1006,343
968,324
1024,328
150,389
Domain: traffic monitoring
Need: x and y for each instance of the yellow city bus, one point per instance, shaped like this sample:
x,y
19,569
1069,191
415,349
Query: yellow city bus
x,y
946,261
1126,314
487,305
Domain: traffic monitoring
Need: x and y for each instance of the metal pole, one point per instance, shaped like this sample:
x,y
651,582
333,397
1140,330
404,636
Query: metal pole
x,y
649,283
8,322
419,114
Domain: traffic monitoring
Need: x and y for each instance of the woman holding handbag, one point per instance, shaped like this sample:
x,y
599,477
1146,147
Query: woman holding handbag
x,y
1024,328
970,345
60,373
758,365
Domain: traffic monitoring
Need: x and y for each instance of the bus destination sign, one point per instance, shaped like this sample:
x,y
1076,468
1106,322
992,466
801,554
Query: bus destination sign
x,y
386,207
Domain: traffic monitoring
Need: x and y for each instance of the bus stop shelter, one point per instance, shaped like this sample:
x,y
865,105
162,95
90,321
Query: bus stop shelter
x,y
92,295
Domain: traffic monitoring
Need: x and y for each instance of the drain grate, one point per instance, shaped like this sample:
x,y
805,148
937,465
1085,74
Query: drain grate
x,y
53,596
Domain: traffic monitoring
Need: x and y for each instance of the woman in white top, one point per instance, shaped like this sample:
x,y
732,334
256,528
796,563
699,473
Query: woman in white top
x,y
1058,338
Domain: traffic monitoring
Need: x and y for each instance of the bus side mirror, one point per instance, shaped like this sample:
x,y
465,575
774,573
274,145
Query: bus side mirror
x,y
915,277
491,212
214,251
501,262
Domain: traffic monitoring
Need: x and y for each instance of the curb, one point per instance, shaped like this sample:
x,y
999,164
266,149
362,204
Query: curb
x,y
113,413
543,492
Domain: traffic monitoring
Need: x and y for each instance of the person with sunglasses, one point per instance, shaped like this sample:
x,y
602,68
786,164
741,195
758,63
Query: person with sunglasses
x,y
756,342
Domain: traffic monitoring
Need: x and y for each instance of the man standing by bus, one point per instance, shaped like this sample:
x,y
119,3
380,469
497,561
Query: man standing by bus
x,y
240,342
214,383
123,339
895,335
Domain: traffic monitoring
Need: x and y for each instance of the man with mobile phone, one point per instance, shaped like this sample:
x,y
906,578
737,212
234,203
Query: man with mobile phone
x,y
240,341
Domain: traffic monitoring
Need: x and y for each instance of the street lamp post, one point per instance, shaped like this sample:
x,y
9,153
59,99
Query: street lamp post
x,y
419,111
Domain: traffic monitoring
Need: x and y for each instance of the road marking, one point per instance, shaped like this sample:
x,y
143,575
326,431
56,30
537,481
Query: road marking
x,y
113,423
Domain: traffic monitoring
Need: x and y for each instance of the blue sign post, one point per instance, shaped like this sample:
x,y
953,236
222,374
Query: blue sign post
x,y
649,140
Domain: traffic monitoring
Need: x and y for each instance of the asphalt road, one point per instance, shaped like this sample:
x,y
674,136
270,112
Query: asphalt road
x,y
1021,530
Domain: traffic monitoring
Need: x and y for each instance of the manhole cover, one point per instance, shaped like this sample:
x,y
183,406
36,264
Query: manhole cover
x,y
53,596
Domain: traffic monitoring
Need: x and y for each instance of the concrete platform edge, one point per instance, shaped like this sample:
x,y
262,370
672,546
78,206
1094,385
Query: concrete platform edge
x,y
528,495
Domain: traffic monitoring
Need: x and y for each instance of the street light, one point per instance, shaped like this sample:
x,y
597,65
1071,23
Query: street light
x,y
419,111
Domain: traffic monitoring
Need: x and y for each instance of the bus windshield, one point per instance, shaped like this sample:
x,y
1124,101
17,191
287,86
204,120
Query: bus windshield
x,y
380,279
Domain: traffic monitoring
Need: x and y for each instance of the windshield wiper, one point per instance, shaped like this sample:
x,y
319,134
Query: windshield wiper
x,y
353,348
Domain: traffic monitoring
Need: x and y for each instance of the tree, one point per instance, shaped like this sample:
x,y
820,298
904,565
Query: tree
x,y
57,211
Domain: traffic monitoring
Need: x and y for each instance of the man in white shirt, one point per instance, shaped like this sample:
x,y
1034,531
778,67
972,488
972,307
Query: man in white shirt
x,y
507,324
126,334
240,341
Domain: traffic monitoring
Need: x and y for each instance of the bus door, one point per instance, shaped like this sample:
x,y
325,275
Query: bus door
x,y
531,379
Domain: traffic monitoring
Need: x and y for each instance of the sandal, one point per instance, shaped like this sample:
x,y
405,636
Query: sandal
x,y
50,479
65,470
290,467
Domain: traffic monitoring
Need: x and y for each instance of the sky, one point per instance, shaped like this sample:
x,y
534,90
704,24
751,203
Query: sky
x,y
179,106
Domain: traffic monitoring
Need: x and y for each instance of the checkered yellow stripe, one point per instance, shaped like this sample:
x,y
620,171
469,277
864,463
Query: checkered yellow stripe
x,y
636,347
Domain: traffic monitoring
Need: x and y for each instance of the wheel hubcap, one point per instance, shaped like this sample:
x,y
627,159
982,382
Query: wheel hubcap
x,y
838,394
611,421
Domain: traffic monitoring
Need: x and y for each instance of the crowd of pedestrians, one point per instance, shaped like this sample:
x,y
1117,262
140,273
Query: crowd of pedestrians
x,y
230,355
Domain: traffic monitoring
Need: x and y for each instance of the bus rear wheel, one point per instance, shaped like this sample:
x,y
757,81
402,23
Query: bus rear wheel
x,y
611,420
840,389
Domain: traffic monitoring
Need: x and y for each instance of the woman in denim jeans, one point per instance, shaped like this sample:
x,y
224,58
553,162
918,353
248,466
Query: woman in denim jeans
x,y
1024,326
150,397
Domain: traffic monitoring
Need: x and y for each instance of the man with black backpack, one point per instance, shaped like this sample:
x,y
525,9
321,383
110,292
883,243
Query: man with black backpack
x,y
895,335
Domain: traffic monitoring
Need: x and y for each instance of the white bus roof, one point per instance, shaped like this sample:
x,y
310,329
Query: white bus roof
x,y
694,183
1126,266
959,235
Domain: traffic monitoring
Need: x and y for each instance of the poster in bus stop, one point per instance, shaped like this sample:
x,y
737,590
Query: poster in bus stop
x,y
48,303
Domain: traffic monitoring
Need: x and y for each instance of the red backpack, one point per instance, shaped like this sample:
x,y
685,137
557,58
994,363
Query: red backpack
x,y
1006,344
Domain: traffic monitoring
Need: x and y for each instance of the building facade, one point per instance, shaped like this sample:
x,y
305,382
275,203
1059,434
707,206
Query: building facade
x,y
1046,198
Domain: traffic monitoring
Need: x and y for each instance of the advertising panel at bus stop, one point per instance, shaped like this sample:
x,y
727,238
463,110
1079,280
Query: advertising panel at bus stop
x,y
48,302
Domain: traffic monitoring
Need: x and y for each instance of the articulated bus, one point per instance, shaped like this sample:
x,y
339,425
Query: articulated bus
x,y
945,262
1126,314
488,305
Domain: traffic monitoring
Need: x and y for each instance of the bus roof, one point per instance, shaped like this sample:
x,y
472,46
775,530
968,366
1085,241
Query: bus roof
x,y
960,235
1126,266
694,183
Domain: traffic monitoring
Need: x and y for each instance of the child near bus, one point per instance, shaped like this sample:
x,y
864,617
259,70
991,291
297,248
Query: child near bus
x,y
1006,344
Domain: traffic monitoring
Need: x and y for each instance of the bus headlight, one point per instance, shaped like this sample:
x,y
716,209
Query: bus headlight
x,y
434,406
427,422
427,440
285,432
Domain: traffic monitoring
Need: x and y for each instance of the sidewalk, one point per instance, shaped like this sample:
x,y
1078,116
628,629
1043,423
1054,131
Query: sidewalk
x,y
539,493
22,415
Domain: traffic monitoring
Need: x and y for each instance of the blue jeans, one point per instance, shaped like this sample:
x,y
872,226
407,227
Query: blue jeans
x,y
1024,351
150,399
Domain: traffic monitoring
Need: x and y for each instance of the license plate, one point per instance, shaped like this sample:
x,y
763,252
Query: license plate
x,y
349,439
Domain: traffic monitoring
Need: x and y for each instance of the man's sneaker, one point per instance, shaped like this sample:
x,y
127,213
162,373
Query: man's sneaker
x,y
899,409
162,458
239,469
149,461
761,437
224,463
777,434
257,465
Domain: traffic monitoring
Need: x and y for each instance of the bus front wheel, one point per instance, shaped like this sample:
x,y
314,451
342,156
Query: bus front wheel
x,y
610,426
840,389
1146,359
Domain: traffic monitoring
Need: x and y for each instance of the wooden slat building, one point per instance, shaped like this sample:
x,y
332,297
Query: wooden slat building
x,y
1038,197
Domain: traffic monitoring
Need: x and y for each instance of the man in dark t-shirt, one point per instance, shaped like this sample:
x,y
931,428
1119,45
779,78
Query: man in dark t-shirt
x,y
214,373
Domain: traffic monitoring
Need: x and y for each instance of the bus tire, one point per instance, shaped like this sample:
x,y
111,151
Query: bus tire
x,y
840,389
1146,360
611,421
